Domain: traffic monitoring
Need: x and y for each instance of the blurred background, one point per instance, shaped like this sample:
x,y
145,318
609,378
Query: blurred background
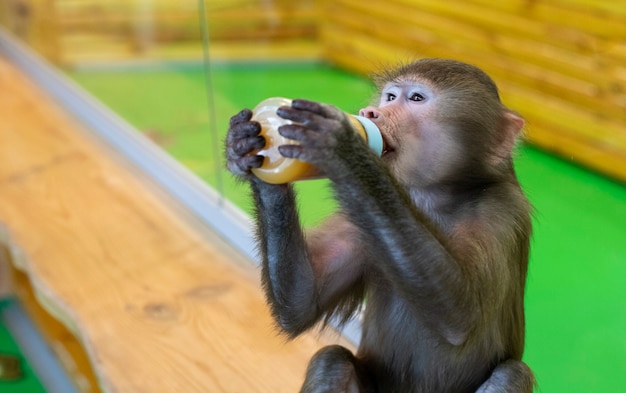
x,y
177,70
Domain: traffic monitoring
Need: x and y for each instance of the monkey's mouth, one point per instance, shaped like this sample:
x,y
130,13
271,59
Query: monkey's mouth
x,y
387,148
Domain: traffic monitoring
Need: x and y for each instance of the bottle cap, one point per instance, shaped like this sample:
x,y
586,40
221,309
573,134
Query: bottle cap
x,y
374,138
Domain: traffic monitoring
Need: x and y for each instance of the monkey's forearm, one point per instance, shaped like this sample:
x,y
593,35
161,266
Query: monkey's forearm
x,y
287,275
378,205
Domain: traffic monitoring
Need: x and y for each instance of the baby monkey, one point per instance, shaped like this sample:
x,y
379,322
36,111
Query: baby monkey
x,y
433,235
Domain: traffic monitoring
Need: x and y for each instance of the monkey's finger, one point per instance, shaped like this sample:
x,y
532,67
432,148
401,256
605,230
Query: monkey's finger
x,y
243,116
309,120
243,130
304,117
324,110
244,146
302,153
297,132
306,105
291,151
243,165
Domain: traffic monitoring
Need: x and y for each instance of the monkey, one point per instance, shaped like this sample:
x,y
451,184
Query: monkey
x,y
430,240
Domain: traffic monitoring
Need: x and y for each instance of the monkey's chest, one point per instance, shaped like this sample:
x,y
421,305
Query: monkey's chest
x,y
392,330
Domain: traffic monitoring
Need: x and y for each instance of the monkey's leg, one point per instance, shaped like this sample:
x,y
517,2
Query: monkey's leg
x,y
334,369
512,376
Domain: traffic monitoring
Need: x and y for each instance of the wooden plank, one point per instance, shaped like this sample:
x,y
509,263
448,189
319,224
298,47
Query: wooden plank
x,y
602,158
255,21
157,299
495,21
615,9
566,117
361,53
290,50
90,32
598,22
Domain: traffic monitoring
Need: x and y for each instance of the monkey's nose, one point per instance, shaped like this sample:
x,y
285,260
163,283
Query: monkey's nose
x,y
370,112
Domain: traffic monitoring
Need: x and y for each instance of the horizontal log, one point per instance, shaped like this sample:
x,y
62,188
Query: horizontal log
x,y
603,158
496,21
597,18
562,114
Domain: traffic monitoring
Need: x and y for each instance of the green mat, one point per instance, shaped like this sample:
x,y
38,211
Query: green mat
x,y
12,381
576,308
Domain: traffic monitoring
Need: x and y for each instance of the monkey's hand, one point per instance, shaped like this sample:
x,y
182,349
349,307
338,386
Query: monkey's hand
x,y
323,131
242,139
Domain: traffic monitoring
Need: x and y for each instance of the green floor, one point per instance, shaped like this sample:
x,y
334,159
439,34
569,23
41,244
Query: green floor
x,y
28,382
575,304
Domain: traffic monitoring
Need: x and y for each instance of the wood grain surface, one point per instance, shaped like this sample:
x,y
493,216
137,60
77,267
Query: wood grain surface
x,y
160,303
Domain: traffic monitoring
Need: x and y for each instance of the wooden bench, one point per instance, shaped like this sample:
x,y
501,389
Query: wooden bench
x,y
132,291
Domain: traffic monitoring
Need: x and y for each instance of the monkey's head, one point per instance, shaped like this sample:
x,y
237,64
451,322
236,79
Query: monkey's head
x,y
443,121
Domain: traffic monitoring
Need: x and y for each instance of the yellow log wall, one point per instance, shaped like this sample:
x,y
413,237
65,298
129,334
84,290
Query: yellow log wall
x,y
70,32
561,63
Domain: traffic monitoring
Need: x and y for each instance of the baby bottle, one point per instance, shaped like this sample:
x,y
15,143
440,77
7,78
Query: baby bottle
x,y
277,169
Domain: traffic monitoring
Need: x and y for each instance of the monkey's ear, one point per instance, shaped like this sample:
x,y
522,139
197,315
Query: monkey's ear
x,y
510,129
515,120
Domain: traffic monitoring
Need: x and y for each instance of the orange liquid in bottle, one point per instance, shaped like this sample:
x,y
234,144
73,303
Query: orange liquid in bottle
x,y
277,169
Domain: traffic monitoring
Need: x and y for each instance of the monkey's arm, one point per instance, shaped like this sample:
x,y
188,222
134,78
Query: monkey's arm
x,y
303,280
287,276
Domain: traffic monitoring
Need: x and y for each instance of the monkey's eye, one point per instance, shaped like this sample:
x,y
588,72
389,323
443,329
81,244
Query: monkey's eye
x,y
417,97
390,97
